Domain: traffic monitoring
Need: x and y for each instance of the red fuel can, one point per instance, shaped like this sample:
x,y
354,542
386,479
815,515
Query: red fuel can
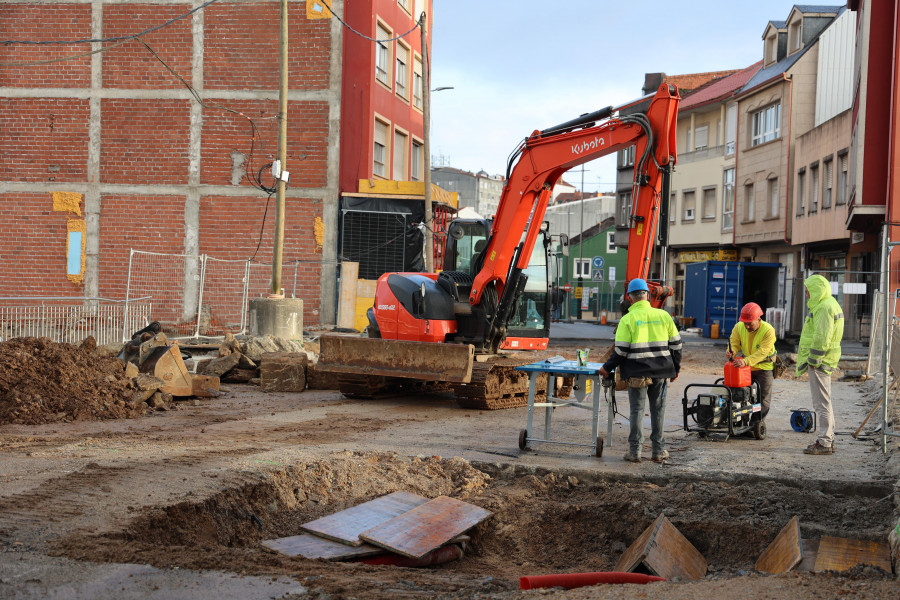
x,y
736,377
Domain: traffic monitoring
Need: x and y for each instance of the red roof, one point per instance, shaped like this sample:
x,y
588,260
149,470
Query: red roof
x,y
720,88
693,81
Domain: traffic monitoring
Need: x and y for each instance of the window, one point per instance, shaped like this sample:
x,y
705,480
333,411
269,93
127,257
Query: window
x,y
800,197
814,188
828,183
415,172
417,83
701,138
730,129
625,209
400,145
728,200
773,208
626,157
795,41
611,242
766,125
709,203
748,202
404,4
672,208
379,159
383,55
689,202
842,181
582,268
401,74
771,48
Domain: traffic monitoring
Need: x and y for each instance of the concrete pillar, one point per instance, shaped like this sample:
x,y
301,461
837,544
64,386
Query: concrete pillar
x,y
281,317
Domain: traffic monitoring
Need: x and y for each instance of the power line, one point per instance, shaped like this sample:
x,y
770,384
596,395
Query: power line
x,y
362,35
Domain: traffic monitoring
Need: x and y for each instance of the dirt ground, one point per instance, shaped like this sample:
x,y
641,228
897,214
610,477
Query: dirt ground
x,y
174,504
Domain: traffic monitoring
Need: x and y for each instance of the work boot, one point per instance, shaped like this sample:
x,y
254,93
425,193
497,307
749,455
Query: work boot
x,y
661,456
632,457
818,448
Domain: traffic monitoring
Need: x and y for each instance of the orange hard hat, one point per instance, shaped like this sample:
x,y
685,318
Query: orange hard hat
x,y
751,312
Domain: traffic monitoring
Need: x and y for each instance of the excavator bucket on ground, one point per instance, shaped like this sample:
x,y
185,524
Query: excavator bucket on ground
x,y
425,361
151,352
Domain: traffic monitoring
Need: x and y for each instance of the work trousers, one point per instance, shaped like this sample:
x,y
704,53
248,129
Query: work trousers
x,y
637,398
764,380
820,388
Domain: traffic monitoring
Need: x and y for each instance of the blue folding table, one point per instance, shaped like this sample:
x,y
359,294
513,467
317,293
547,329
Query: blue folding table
x,y
588,381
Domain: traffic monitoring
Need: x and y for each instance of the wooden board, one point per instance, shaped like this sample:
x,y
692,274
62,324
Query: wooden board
x,y
662,550
346,525
840,554
314,547
785,551
426,527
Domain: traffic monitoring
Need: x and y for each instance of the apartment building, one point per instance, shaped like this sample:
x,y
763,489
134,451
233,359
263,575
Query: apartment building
x,y
479,191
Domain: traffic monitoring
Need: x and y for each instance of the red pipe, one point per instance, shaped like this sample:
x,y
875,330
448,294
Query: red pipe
x,y
575,580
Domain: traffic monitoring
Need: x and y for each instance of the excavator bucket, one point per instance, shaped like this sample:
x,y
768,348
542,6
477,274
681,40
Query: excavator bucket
x,y
165,363
427,361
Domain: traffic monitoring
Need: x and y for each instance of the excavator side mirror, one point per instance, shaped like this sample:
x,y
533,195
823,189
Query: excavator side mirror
x,y
564,244
418,302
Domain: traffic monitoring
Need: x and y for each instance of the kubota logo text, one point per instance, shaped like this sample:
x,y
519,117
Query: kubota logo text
x,y
597,142
387,307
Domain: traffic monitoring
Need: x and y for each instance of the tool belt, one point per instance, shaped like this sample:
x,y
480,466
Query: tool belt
x,y
778,368
639,382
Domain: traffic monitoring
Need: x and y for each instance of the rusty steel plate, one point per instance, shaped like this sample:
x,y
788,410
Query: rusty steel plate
x,y
346,525
662,550
426,527
840,554
429,361
785,552
315,547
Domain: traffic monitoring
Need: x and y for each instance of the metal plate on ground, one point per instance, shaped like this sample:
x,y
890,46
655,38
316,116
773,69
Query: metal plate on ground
x,y
312,546
426,527
840,554
785,551
346,525
662,550
430,361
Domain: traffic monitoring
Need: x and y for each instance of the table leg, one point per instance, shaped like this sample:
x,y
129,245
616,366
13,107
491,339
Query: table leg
x,y
532,385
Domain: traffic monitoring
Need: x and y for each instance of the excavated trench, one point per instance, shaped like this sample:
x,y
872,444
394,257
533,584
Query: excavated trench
x,y
542,522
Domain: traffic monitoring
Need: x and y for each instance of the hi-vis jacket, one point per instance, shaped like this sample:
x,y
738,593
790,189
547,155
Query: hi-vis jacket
x,y
647,344
758,353
820,340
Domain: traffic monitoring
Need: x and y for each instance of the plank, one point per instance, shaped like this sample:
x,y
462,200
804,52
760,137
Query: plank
x,y
346,525
662,550
840,554
426,527
785,552
314,547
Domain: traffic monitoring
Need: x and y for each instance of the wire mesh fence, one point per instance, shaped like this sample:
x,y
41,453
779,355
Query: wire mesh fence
x,y
71,320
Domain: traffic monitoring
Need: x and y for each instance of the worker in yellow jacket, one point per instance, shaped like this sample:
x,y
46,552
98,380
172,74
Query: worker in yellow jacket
x,y
753,344
819,353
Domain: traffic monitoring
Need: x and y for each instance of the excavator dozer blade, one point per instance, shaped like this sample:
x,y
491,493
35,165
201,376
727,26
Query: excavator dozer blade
x,y
165,363
427,361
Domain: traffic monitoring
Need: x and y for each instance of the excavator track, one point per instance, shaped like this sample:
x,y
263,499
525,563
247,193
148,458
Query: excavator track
x,y
496,384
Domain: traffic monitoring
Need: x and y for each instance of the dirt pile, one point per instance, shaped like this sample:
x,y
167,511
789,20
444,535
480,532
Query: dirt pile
x,y
42,381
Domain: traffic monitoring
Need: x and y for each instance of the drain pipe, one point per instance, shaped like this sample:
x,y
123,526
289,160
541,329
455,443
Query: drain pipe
x,y
575,580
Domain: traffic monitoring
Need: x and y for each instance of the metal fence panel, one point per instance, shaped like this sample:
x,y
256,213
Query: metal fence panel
x,y
71,320
173,281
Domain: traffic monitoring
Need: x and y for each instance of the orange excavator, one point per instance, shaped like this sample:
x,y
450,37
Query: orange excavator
x,y
430,330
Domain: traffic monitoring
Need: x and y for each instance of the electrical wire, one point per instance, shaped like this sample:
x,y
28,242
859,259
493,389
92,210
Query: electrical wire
x,y
362,35
261,227
110,39
33,63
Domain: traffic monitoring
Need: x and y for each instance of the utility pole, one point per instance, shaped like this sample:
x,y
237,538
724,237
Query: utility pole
x,y
426,134
281,184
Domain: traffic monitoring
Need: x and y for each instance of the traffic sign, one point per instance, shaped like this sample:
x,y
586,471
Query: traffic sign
x,y
567,288
597,275
597,262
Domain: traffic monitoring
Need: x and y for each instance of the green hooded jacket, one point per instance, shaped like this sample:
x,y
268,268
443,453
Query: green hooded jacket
x,y
820,340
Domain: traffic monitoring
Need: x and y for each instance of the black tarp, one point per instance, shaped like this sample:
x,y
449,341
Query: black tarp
x,y
414,238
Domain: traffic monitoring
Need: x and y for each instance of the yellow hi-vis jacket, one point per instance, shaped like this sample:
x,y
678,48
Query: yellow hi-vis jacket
x,y
757,348
647,344
820,340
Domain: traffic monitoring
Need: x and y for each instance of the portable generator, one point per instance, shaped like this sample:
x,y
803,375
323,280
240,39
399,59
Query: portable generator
x,y
723,411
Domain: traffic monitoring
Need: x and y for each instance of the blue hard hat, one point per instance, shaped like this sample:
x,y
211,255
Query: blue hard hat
x,y
637,285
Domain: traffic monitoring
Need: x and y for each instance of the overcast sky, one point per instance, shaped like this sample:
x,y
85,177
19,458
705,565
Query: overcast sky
x,y
521,65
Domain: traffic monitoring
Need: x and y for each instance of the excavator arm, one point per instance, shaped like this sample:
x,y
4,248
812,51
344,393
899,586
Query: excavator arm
x,y
546,155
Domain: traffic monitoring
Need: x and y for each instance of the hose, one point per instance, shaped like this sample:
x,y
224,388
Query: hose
x,y
575,580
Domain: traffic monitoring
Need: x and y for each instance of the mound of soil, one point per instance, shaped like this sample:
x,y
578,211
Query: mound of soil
x,y
42,381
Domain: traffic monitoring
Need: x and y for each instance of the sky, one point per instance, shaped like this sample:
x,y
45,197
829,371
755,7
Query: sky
x,y
520,65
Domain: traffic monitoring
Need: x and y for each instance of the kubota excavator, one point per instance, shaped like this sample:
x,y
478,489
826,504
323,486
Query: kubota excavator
x,y
430,329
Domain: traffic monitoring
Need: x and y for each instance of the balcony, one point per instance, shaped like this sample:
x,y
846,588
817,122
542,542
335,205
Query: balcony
x,y
699,155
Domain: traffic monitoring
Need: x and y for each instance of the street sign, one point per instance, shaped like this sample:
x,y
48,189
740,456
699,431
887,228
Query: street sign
x,y
597,275
597,262
567,288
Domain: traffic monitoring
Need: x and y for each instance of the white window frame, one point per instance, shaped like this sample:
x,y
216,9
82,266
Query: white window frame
x,y
416,155
728,199
381,150
814,188
383,54
827,183
626,157
708,200
401,155
673,203
581,268
611,247
766,125
625,203
404,4
417,100
701,138
689,213
401,72
773,207
801,192
843,181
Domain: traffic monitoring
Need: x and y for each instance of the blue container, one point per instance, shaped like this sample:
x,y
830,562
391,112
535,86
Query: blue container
x,y
715,291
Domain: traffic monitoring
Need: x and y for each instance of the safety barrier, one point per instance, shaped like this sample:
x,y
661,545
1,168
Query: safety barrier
x,y
71,320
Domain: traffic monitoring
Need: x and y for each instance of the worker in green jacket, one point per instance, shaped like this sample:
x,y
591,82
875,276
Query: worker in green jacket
x,y
819,353
647,355
752,344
